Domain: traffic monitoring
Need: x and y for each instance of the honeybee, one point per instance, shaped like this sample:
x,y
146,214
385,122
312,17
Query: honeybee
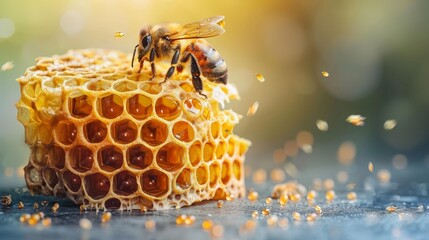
x,y
182,45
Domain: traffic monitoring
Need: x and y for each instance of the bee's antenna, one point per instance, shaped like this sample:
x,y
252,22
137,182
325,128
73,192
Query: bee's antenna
x,y
134,54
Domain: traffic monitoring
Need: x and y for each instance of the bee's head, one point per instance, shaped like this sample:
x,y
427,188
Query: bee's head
x,y
145,42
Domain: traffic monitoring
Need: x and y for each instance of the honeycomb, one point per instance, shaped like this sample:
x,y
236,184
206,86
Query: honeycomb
x,y
110,138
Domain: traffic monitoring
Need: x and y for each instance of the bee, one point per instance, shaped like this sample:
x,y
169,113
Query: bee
x,y
183,45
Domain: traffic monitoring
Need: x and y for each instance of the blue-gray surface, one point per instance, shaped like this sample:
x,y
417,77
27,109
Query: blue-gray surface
x,y
365,218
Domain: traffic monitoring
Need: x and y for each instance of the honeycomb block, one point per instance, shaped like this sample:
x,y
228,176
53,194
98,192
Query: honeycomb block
x,y
108,137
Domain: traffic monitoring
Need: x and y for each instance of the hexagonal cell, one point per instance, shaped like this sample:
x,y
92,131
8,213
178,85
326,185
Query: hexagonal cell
x,y
140,106
186,87
227,129
167,107
65,132
50,177
236,169
80,107
110,158
31,132
33,174
124,183
226,172
214,174
45,134
124,131
95,131
112,203
58,157
40,155
183,131
154,132
96,185
110,106
171,157
139,156
183,181
72,181
220,149
115,76
231,146
124,86
193,106
195,153
98,85
242,149
208,151
202,175
154,182
151,87
81,158
215,129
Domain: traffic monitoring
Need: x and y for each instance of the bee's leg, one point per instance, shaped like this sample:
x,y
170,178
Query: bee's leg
x,y
141,65
196,80
152,62
174,61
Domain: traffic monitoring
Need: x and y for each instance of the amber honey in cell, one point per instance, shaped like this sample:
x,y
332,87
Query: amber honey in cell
x,y
81,158
154,182
111,106
97,185
125,183
170,157
95,131
72,181
140,106
124,131
80,107
110,158
154,132
139,156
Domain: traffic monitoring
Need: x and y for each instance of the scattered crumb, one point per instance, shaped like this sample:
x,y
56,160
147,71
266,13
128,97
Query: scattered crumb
x,y
106,217
391,209
352,196
266,211
252,196
207,224
55,207
296,216
6,200
288,189
330,195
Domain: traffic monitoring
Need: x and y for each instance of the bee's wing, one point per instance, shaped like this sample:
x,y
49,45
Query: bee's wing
x,y
205,28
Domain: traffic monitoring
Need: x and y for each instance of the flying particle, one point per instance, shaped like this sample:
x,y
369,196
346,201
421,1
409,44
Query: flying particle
x,y
356,120
252,110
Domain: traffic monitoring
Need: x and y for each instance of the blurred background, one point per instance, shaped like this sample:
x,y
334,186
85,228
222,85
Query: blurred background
x,y
376,54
